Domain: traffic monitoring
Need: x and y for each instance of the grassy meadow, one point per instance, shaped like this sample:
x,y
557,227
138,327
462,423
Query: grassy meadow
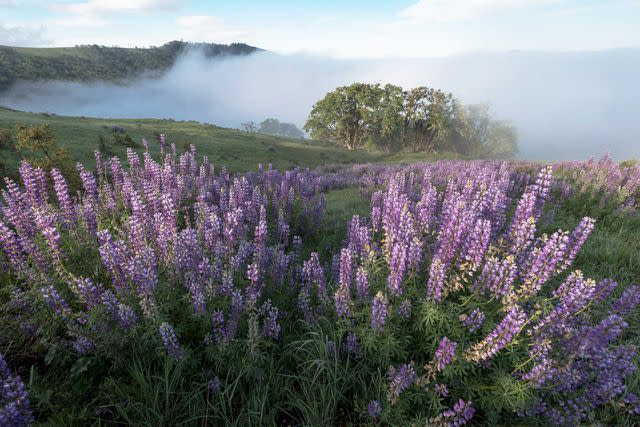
x,y
237,150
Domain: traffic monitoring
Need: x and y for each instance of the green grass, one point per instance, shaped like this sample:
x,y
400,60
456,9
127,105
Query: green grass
x,y
238,151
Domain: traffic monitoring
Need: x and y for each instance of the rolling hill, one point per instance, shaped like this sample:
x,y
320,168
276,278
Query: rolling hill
x,y
237,150
93,62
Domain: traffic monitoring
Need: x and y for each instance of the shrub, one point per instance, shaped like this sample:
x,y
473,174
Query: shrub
x,y
6,139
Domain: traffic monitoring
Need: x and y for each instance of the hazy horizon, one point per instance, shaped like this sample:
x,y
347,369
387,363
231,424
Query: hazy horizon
x,y
571,105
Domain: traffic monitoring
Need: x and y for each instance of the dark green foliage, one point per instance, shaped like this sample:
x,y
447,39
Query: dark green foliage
x,y
346,115
389,119
6,144
38,146
6,139
124,139
275,127
93,62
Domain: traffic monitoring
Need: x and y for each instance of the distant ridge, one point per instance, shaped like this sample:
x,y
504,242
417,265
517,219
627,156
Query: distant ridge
x,y
93,62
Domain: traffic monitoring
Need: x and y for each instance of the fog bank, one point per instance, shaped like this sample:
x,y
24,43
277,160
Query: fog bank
x,y
565,105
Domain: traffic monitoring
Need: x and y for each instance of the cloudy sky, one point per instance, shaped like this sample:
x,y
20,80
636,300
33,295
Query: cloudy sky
x,y
335,28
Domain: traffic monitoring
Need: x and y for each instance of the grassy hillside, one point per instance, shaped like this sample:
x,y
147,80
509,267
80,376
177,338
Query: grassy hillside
x,y
92,62
239,151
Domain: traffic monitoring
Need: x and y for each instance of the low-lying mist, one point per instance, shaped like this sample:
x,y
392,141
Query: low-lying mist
x,y
565,105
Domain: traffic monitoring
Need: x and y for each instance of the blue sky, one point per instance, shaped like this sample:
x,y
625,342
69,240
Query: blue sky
x,y
343,29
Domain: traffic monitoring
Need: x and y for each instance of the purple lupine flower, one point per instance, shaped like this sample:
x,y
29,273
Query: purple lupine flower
x,y
89,215
342,302
234,316
16,206
83,345
283,229
397,265
219,333
88,183
436,280
358,238
633,402
62,193
304,304
497,339
109,301
270,325
313,274
542,187
163,142
456,220
346,265
404,309
11,245
99,164
474,320
573,295
627,302
476,244
603,289
253,291
379,311
214,386
400,378
114,257
543,263
35,185
260,235
374,408
14,400
137,222
170,341
427,205
497,276
144,275
87,292
441,390
352,345
414,254
376,216
362,284
47,226
445,353
523,224
55,301
335,268
459,415
195,282
577,238
541,372
126,316
297,246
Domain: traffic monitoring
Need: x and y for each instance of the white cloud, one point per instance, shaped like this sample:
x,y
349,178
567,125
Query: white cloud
x,y
7,3
462,10
93,7
11,35
207,29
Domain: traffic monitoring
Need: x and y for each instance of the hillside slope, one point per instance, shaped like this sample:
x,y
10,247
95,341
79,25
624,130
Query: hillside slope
x,y
238,151
92,62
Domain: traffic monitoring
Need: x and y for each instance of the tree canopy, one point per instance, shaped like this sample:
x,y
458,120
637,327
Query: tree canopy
x,y
391,119
276,127
94,62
